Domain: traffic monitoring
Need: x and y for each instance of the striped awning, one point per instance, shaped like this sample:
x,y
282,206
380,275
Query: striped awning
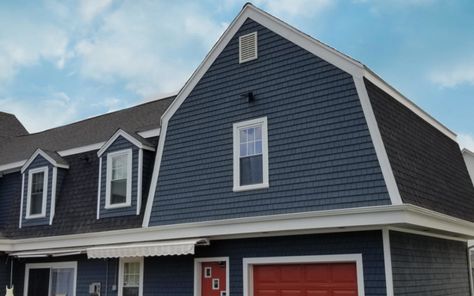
x,y
147,249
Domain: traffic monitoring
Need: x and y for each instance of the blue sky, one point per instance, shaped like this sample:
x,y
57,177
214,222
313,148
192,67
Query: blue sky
x,y
62,61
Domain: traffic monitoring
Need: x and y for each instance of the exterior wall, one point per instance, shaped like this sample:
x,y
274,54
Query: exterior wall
x,y
174,275
119,144
428,266
76,202
88,271
37,163
4,273
321,155
428,166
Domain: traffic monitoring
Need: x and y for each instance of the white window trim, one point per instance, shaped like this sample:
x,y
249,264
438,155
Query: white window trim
x,y
128,201
248,264
237,127
45,193
197,272
121,271
50,265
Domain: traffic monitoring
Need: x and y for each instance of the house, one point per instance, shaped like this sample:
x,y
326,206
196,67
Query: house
x,y
282,167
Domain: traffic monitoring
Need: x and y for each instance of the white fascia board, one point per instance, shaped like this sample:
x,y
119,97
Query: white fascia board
x,y
45,156
81,149
128,137
390,90
150,133
380,216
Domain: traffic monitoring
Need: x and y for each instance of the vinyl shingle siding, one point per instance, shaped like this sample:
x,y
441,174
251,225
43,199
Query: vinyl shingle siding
x,y
119,144
38,162
428,166
321,155
173,276
426,266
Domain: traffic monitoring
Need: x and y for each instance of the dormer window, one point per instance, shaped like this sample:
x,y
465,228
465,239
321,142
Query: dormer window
x,y
119,179
37,193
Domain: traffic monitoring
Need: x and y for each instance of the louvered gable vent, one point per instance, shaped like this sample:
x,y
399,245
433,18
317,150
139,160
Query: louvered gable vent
x,y
248,47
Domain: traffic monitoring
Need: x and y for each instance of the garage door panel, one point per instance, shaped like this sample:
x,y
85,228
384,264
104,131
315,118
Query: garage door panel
x,y
328,279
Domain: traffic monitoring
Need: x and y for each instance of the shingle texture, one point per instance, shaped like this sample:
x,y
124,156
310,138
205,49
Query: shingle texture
x,y
90,131
426,266
428,166
321,155
10,126
76,204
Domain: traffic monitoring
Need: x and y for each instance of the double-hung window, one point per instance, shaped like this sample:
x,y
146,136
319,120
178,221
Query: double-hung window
x,y
37,193
119,179
251,155
131,277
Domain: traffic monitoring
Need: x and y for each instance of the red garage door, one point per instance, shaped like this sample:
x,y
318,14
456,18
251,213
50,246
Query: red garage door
x,y
335,279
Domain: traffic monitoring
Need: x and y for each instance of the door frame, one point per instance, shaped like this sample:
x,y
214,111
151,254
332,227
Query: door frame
x,y
248,264
197,273
49,265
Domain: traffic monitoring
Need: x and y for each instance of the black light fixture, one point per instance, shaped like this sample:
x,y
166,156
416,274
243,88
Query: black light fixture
x,y
248,95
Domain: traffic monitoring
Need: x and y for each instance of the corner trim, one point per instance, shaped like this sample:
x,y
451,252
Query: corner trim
x,y
387,253
379,146
53,195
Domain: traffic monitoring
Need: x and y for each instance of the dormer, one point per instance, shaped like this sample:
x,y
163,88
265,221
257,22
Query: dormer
x,y
120,181
41,174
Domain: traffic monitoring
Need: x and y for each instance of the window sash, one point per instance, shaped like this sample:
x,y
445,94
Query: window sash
x,y
37,192
119,179
131,277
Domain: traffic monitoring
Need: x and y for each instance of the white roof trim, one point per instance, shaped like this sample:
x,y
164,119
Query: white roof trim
x,y
390,90
45,156
128,137
150,133
408,216
159,248
51,252
466,151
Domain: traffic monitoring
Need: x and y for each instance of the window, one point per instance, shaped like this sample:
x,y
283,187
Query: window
x,y
251,155
131,277
119,179
51,278
37,193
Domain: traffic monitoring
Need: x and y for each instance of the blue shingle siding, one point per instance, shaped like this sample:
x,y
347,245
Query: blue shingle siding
x,y
321,155
428,166
76,203
37,163
4,273
88,271
119,144
173,276
426,266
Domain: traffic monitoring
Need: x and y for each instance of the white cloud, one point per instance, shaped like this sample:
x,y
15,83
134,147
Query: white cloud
x,y
466,140
452,76
28,44
146,46
89,9
56,110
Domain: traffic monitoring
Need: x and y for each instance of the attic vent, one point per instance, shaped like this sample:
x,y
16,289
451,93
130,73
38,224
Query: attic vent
x,y
248,47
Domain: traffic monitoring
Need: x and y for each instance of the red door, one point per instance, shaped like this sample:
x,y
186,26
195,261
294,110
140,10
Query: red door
x,y
334,279
213,279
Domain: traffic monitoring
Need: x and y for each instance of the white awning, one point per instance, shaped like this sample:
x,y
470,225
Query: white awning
x,y
147,249
49,252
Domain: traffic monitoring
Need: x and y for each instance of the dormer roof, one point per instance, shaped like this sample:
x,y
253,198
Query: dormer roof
x,y
133,138
52,157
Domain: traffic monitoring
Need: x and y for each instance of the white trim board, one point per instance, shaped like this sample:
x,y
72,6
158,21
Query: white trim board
x,y
197,273
128,137
402,215
45,156
387,261
379,145
248,263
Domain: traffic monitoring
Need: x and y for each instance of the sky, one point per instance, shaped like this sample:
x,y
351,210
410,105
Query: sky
x,y
63,61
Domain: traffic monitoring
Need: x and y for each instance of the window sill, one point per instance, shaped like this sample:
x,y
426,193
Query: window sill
x,y
251,187
117,206
37,216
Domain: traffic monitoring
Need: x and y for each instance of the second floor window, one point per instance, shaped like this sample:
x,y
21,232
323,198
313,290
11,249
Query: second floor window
x,y
37,190
119,167
250,155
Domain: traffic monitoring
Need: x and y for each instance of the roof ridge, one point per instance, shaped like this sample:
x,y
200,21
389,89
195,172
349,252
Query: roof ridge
x,y
102,115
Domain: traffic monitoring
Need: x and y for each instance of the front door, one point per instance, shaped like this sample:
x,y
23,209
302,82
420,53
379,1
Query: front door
x,y
213,278
38,282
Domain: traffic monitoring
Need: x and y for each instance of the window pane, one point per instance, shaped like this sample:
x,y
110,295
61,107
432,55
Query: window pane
x,y
62,281
251,148
36,203
251,170
119,191
243,136
258,147
119,167
258,133
130,291
251,134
